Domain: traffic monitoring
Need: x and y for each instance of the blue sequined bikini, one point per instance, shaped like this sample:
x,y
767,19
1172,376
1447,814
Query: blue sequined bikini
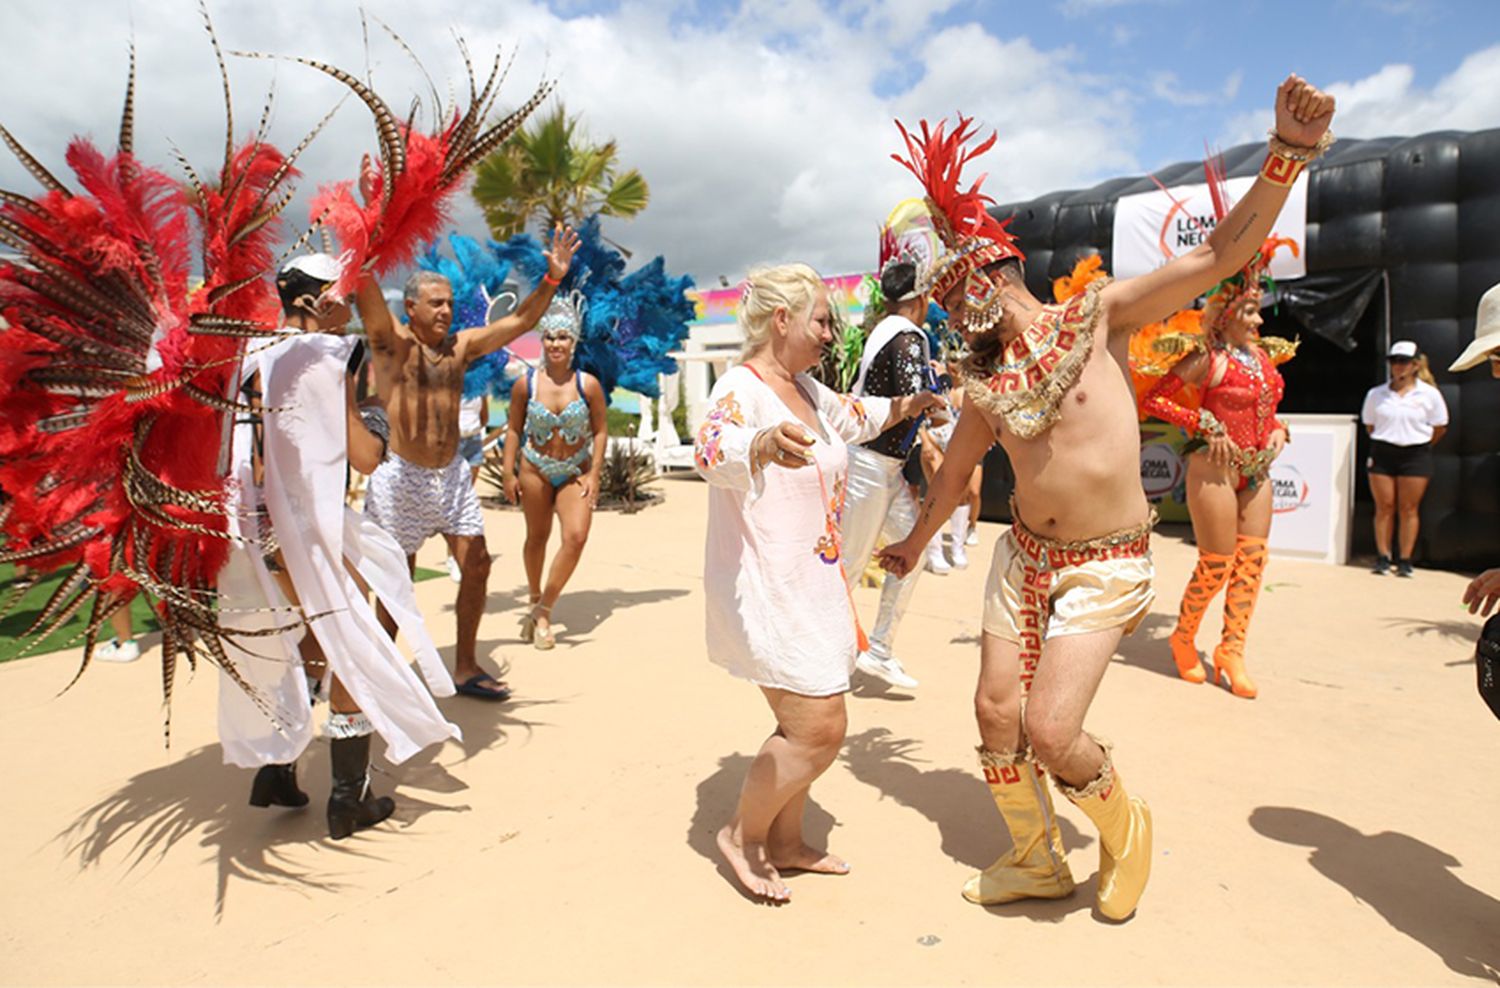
x,y
542,424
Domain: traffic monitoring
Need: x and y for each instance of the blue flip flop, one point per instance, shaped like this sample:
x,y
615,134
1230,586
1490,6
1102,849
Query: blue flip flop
x,y
474,686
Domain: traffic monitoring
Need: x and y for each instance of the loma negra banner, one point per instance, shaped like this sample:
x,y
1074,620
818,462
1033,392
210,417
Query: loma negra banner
x,y
1153,227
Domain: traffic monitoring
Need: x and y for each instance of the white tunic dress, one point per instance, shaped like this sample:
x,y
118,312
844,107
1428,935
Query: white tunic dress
x,y
302,380
778,608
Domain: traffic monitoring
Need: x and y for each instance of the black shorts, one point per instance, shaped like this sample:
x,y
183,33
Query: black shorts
x,y
1391,460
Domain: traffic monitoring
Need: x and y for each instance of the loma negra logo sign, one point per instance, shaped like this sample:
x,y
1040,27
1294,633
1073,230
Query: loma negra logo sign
x,y
1161,470
1289,491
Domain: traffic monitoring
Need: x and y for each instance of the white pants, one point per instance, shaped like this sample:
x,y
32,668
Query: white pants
x,y
879,501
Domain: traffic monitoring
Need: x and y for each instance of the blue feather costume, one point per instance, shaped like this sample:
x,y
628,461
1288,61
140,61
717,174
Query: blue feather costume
x,y
631,321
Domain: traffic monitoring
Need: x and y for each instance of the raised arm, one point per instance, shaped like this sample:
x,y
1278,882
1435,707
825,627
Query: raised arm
x,y
475,343
1303,114
374,314
369,301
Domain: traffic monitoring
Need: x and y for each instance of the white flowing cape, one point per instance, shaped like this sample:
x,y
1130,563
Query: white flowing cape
x,y
306,453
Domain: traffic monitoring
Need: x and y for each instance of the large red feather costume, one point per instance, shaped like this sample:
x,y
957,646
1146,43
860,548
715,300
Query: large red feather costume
x,y
115,378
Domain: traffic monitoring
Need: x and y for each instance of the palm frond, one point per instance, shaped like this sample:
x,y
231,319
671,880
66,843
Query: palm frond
x,y
627,196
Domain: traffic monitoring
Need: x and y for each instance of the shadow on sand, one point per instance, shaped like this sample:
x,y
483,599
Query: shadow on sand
x,y
201,799
1456,632
1147,648
578,613
1409,883
719,794
958,803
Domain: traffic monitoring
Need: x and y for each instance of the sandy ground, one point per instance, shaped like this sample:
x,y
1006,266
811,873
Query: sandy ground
x,y
1338,830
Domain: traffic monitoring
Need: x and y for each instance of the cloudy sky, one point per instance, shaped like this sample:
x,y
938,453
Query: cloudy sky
x,y
764,126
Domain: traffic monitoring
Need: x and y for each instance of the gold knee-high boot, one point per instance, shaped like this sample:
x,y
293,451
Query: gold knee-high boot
x,y
1239,604
1035,867
1208,577
1124,837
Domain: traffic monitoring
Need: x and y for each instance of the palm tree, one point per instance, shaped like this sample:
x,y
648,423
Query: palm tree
x,y
549,172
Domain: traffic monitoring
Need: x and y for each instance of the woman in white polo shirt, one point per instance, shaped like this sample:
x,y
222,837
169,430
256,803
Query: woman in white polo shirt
x,y
1405,417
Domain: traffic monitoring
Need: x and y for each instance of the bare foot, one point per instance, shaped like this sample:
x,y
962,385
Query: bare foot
x,y
752,867
809,859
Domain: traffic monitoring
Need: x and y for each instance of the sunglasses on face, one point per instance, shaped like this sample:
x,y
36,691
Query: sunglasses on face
x,y
1400,360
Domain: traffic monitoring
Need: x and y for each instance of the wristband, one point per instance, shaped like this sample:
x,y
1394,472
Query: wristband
x,y
1285,162
554,282
1281,170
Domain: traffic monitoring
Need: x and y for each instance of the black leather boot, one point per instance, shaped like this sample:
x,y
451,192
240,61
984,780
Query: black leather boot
x,y
351,806
276,785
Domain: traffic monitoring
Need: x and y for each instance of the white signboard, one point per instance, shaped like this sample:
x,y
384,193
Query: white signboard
x,y
1154,227
1312,489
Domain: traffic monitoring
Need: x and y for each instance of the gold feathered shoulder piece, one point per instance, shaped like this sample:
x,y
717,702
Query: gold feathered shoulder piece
x,y
1178,344
1279,348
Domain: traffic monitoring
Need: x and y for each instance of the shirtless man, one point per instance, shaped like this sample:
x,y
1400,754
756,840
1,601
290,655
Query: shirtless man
x,y
1051,384
423,487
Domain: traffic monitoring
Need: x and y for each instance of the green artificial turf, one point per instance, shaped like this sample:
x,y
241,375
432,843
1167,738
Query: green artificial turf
x,y
15,624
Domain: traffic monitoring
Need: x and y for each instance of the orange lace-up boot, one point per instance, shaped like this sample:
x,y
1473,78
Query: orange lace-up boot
x,y
1239,604
1035,867
1208,576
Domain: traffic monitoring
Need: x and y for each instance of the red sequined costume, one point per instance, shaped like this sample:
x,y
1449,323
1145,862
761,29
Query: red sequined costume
x,y
1239,398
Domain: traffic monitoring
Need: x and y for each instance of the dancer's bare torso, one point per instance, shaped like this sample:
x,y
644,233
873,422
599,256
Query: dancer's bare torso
x,y
421,387
1082,477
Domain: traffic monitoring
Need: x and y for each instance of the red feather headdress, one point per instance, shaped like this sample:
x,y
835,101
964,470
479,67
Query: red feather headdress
x,y
973,238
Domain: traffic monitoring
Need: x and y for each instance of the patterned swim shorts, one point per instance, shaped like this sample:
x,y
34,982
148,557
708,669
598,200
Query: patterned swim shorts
x,y
414,503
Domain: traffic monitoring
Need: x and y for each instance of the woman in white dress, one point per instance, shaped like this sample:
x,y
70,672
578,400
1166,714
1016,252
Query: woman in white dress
x,y
778,609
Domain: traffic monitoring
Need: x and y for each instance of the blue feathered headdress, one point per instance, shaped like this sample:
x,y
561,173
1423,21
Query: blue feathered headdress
x,y
630,321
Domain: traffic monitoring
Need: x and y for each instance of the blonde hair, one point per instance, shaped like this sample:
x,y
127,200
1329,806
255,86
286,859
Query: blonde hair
x,y
1424,370
793,287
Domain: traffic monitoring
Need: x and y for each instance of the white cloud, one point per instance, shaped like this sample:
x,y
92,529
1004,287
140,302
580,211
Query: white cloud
x,y
1390,103
1166,86
765,137
1089,8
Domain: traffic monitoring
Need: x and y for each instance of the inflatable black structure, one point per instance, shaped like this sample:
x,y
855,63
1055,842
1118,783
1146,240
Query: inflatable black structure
x,y
1403,237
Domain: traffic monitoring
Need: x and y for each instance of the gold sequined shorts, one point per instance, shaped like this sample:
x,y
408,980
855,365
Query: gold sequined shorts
x,y
1093,586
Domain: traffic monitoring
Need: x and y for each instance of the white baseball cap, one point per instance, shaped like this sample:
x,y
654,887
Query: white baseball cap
x,y
1403,348
322,267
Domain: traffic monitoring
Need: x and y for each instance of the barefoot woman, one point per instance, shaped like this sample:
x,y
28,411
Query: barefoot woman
x,y
779,615
559,415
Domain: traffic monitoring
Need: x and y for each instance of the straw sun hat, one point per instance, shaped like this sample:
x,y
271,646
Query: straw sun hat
x,y
1486,333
